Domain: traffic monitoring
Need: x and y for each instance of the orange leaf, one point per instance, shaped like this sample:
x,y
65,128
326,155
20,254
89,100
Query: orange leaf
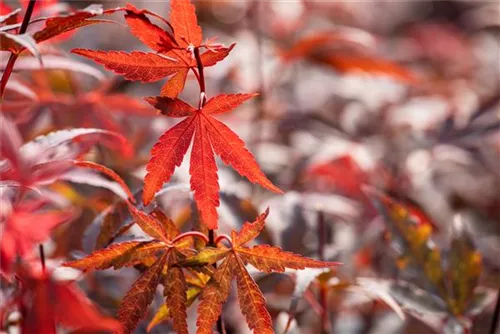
x,y
167,153
136,301
174,86
119,255
204,179
135,66
348,63
268,259
252,302
175,293
225,102
148,33
214,295
148,224
250,231
233,152
210,58
170,107
185,24
171,230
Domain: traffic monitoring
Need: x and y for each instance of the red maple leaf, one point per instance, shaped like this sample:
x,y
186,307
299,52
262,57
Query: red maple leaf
x,y
160,254
208,135
45,302
55,26
264,258
54,157
173,54
20,234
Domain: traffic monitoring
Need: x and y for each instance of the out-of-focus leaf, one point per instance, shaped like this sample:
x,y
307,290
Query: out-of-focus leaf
x,y
60,24
381,289
45,144
7,16
343,174
53,62
414,235
108,172
328,39
480,300
112,219
163,313
465,266
91,178
303,280
16,43
351,63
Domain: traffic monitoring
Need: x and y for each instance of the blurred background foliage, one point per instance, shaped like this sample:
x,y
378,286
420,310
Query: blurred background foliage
x,y
379,119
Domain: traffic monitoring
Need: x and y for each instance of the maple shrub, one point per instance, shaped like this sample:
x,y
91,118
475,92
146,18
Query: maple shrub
x,y
188,273
377,173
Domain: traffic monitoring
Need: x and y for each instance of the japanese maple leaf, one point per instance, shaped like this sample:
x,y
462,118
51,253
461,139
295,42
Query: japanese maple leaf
x,y
173,55
265,258
347,51
45,302
209,135
28,223
54,27
97,108
54,157
166,248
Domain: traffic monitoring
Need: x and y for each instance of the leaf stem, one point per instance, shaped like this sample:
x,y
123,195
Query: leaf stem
x,y
42,256
224,237
191,234
323,289
13,56
201,79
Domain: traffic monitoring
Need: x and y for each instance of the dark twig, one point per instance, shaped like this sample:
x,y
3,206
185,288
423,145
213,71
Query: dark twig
x,y
496,314
13,56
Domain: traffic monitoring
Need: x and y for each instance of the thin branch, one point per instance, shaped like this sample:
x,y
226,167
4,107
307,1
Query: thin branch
x,y
13,56
42,256
496,315
201,81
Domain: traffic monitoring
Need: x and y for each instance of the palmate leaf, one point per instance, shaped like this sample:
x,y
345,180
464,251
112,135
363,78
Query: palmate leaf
x,y
148,33
48,302
158,255
136,301
173,54
117,256
210,136
414,234
251,300
185,24
136,65
175,292
164,312
54,27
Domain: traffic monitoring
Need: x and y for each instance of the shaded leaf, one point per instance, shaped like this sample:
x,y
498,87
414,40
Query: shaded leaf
x,y
117,256
252,302
135,303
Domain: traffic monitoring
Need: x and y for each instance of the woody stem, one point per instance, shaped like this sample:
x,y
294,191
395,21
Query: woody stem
x,y
201,80
42,256
13,56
